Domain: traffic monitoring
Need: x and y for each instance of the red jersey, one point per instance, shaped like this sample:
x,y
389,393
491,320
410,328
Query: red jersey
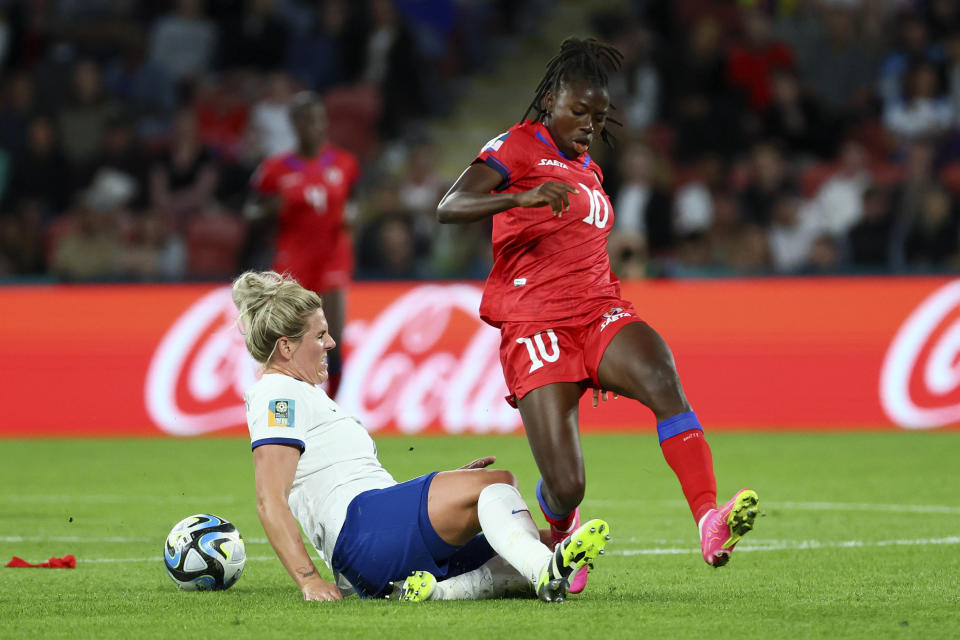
x,y
313,243
544,267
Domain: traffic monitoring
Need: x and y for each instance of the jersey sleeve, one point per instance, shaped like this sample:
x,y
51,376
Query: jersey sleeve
x,y
277,416
264,179
507,155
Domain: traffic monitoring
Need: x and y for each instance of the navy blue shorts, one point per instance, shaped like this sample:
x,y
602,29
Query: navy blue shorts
x,y
387,535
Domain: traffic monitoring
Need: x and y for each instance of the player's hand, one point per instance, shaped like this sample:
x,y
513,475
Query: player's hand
x,y
549,194
601,394
318,589
480,463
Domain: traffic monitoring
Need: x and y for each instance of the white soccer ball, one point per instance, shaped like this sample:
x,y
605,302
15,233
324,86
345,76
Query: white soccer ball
x,y
204,553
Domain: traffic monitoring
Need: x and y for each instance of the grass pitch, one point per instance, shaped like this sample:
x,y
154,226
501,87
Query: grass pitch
x,y
860,538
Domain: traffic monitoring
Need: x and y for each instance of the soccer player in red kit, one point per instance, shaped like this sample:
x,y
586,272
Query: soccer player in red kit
x,y
563,325
308,189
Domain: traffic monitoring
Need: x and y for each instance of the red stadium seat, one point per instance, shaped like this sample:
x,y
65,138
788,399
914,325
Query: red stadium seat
x,y
950,177
214,240
814,176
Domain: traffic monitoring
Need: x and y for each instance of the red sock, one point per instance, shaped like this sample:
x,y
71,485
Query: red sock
x,y
688,454
557,522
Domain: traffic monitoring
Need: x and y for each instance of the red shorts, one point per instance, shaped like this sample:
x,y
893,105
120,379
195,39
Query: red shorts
x,y
316,271
535,354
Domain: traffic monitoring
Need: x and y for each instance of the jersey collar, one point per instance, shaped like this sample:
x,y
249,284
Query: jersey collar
x,y
543,135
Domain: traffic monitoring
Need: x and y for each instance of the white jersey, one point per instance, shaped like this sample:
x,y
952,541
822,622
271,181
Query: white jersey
x,y
338,457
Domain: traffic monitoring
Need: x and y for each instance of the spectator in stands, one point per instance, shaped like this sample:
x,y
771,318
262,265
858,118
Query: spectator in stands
x,y
769,181
925,111
793,230
420,191
932,238
83,118
824,256
391,62
390,243
943,18
953,73
119,151
18,106
914,48
643,206
222,111
840,198
869,241
22,251
694,199
270,131
750,64
152,252
318,57
839,69
636,90
253,37
796,120
184,42
727,230
752,255
40,172
92,247
184,177
702,108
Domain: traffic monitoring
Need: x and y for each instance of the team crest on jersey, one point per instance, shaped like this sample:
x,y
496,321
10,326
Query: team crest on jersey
x,y
280,413
333,175
612,316
548,162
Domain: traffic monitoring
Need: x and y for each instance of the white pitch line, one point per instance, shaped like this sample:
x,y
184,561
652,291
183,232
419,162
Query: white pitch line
x,y
158,559
111,539
800,545
800,506
118,499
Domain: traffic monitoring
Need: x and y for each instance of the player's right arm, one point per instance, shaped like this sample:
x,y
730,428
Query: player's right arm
x,y
275,466
471,197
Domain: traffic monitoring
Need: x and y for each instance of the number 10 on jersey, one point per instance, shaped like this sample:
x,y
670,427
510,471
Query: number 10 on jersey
x,y
597,202
537,349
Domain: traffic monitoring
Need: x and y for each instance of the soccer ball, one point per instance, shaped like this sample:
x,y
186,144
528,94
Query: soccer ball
x,y
204,553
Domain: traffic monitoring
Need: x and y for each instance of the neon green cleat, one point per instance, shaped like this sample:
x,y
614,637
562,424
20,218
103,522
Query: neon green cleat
x,y
418,587
582,547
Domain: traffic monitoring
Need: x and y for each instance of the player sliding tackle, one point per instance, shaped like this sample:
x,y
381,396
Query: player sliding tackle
x,y
564,326
318,466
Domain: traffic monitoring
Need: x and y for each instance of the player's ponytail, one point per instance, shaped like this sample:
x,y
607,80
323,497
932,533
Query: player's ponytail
x,y
587,59
271,306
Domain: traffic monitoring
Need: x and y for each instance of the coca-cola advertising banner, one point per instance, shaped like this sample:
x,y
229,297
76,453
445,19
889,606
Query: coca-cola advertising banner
x,y
837,353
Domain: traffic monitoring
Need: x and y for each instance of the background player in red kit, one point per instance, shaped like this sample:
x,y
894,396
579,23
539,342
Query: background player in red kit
x,y
308,189
563,324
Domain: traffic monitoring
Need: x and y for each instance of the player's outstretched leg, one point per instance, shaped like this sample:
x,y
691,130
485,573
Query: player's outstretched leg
x,y
721,529
418,587
582,547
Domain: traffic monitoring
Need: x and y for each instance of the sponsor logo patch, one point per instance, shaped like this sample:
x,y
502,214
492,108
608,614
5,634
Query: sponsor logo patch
x,y
612,316
549,162
280,413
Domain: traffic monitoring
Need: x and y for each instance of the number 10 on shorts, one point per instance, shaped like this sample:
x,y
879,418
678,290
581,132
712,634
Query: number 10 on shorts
x,y
535,346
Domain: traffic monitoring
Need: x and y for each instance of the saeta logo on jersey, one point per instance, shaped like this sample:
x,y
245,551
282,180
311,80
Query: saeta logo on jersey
x,y
920,379
427,360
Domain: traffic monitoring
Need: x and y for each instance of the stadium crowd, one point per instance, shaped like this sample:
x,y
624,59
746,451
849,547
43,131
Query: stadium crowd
x,y
780,137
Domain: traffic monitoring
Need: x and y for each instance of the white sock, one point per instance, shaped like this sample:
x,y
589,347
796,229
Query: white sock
x,y
495,579
508,527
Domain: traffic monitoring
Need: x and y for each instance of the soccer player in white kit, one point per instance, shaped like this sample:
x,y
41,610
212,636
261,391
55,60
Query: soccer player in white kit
x,y
318,466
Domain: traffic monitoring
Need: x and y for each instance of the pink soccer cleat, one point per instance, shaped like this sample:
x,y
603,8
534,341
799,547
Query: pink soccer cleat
x,y
721,529
579,581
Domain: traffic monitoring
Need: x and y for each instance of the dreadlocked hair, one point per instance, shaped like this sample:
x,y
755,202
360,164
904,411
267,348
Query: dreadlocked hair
x,y
588,59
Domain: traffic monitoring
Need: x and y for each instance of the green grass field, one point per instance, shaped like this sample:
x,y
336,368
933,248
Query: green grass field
x,y
860,538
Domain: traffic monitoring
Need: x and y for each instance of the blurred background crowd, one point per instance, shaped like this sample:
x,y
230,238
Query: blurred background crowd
x,y
780,137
